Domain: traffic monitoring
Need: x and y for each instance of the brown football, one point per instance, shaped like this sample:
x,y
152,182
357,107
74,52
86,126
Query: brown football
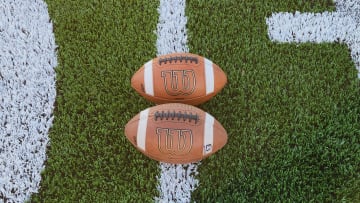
x,y
179,77
176,133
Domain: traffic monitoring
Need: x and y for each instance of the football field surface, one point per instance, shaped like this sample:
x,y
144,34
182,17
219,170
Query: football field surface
x,y
291,107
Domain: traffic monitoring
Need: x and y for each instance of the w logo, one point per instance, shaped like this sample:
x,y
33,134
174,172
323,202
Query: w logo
x,y
179,82
174,141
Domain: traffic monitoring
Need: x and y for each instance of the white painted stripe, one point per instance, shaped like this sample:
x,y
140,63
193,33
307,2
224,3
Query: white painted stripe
x,y
209,76
208,134
339,26
171,28
27,95
176,181
148,78
141,131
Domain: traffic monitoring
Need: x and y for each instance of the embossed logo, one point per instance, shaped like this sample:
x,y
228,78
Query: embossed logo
x,y
174,141
179,82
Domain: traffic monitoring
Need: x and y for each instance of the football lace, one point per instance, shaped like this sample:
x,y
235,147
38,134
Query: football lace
x,y
174,59
172,115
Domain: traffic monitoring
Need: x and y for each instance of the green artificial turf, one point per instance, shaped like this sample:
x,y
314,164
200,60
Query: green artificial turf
x,y
101,44
292,111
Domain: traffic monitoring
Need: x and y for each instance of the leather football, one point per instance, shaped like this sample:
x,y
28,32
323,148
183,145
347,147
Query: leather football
x,y
176,133
179,77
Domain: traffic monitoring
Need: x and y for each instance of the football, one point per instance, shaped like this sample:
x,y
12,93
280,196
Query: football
x,y
179,77
176,133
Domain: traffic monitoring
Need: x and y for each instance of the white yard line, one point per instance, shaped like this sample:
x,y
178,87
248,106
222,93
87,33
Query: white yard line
x,y
27,95
176,181
343,25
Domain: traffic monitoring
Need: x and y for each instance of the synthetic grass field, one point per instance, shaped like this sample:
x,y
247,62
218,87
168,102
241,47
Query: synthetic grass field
x,y
292,111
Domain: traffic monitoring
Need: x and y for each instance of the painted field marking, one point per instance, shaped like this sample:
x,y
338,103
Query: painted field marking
x,y
176,181
27,95
343,25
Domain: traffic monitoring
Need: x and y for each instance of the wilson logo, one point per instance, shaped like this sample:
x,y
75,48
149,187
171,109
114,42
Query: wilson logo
x,y
179,82
174,141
